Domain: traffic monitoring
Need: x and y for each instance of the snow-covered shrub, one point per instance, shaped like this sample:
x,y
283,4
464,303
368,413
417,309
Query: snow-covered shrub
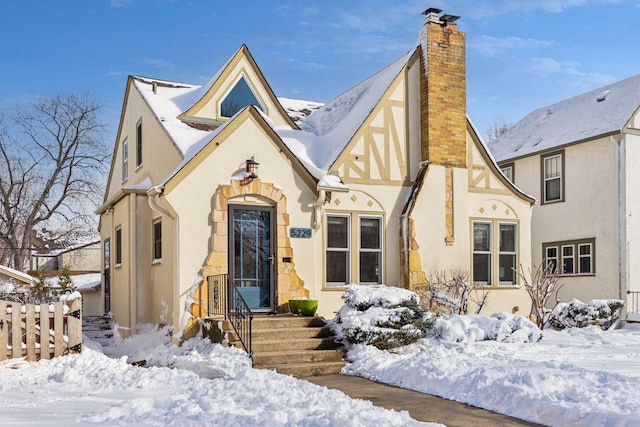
x,y
576,314
378,315
502,327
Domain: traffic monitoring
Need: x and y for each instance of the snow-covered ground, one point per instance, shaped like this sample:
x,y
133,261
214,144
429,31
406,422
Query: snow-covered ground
x,y
194,385
577,377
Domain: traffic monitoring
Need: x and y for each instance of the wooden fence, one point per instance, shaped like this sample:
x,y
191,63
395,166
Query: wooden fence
x,y
40,331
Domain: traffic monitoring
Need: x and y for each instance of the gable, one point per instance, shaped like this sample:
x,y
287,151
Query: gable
x,y
484,175
240,83
247,125
378,153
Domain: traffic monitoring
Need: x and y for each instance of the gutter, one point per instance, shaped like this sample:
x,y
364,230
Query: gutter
x,y
152,196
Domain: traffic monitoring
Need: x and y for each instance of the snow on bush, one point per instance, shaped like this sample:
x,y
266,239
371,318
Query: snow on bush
x,y
502,327
577,314
385,317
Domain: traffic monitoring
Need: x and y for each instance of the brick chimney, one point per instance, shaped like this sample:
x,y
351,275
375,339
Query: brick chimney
x,y
443,90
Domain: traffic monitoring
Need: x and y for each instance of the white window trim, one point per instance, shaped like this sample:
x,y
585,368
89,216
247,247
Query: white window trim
x,y
563,257
579,258
116,263
139,141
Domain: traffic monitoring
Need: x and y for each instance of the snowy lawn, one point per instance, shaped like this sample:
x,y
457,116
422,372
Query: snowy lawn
x,y
577,377
197,384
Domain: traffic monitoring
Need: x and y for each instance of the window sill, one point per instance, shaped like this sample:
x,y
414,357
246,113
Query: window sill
x,y
340,288
577,275
138,167
118,265
156,261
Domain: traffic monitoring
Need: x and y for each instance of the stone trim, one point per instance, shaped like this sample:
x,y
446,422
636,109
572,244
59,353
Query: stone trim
x,y
288,284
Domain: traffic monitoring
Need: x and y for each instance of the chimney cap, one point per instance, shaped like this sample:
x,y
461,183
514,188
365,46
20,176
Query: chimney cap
x,y
449,19
432,10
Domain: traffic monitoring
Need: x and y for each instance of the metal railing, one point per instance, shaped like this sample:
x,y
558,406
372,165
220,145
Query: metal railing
x,y
633,301
226,300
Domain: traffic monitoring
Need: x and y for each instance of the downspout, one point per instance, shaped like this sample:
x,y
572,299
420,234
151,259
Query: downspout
x,y
133,264
152,196
619,213
319,208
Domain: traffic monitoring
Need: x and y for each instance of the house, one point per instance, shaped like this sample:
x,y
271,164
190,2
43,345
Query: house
x,y
84,262
387,183
14,278
579,157
81,257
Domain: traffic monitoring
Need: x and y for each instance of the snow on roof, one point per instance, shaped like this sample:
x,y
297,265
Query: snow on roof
x,y
80,281
298,109
18,274
168,103
592,114
333,125
326,130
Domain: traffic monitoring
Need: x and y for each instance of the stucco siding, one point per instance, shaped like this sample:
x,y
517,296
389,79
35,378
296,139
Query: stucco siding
x,y
589,210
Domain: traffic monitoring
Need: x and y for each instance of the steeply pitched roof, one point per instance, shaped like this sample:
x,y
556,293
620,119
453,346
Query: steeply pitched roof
x,y
326,131
596,113
334,124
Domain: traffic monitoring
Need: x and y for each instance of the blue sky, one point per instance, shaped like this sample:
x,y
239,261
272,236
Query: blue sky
x,y
521,55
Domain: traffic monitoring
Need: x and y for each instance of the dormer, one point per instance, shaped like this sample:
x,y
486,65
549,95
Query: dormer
x,y
238,83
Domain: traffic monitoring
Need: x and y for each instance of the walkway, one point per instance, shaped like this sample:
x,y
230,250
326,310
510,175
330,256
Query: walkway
x,y
422,407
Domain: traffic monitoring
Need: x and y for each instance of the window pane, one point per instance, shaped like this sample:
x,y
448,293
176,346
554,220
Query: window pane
x,y
239,97
481,236
552,167
370,233
337,265
139,145
508,172
585,249
507,237
482,268
585,265
552,189
370,267
157,240
567,260
507,269
337,232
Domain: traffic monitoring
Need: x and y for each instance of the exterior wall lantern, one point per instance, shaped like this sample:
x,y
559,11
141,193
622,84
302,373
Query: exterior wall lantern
x,y
252,168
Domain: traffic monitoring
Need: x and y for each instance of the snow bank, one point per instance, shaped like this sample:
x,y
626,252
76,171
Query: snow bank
x,y
576,377
503,327
197,384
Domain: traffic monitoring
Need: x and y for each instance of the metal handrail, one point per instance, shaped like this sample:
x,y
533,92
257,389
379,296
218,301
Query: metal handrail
x,y
225,299
633,301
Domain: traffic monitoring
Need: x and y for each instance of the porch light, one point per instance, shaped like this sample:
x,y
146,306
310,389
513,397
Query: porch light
x,y
252,168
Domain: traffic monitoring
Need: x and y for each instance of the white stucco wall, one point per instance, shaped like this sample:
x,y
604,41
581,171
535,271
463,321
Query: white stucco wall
x,y
589,211
193,201
631,160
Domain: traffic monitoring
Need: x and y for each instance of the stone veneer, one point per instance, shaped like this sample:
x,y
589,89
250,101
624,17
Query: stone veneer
x,y
288,284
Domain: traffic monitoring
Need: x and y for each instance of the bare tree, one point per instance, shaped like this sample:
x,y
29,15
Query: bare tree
x,y
543,285
496,128
451,293
52,164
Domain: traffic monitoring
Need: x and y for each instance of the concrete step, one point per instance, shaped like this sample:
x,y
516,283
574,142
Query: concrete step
x,y
294,344
296,356
290,333
308,369
285,321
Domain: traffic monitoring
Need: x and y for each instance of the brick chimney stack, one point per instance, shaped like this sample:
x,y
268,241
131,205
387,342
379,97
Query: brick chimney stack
x,y
443,90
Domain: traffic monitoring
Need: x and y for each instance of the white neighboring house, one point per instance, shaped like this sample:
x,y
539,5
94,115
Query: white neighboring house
x,y
580,158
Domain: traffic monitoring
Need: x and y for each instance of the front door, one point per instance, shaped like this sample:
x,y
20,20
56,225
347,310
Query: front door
x,y
251,254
